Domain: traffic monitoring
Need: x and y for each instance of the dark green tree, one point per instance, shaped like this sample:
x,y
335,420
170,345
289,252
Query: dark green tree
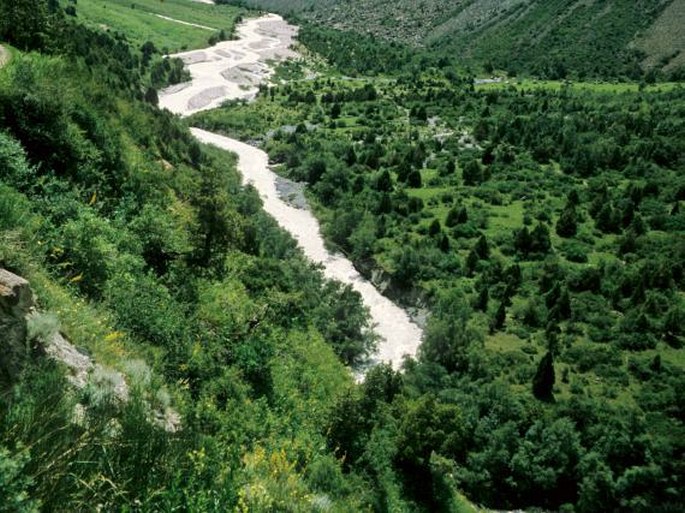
x,y
567,224
448,336
434,228
472,173
481,248
543,381
540,242
523,241
414,179
456,216
384,181
482,299
499,319
471,262
606,219
24,23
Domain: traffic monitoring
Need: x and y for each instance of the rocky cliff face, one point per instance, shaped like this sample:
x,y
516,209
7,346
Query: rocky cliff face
x,y
17,345
16,304
17,312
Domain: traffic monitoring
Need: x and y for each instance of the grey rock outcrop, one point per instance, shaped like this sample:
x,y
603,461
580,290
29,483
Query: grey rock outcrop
x,y
16,303
18,312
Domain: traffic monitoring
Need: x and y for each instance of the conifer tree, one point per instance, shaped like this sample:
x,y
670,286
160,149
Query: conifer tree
x,y
543,381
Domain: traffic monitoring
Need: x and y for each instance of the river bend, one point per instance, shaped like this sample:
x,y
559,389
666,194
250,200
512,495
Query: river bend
x,y
234,69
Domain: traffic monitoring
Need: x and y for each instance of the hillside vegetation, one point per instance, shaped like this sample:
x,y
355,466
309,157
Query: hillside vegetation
x,y
541,225
186,25
146,253
545,38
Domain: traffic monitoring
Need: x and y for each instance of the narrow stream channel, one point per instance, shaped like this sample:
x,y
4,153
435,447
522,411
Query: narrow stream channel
x,y
234,69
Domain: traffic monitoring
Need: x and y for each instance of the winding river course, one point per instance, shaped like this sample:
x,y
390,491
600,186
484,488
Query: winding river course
x,y
234,69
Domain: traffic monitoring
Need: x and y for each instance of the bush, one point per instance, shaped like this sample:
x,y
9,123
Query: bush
x,y
14,483
42,327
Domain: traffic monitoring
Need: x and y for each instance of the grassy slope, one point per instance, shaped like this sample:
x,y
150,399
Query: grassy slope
x,y
664,42
140,24
594,87
306,374
586,38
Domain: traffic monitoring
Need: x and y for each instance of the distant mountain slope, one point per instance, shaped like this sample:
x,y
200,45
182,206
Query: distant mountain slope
x,y
664,42
549,38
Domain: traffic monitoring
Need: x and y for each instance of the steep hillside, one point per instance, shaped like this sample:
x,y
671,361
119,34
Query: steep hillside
x,y
664,42
550,38
141,246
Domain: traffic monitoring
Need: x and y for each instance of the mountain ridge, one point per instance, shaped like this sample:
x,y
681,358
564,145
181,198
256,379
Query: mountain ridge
x,y
549,39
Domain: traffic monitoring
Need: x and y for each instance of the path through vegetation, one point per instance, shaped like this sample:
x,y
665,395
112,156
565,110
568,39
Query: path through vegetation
x,y
196,25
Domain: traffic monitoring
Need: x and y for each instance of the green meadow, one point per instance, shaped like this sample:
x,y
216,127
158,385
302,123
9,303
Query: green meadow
x,y
138,20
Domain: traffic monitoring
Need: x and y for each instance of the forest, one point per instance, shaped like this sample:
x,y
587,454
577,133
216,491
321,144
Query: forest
x,y
541,224
553,39
542,228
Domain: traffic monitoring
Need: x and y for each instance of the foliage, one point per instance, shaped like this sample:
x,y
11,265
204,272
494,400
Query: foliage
x,y
542,227
540,237
140,22
145,245
545,38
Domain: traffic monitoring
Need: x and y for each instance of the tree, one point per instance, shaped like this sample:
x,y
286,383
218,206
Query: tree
x,y
407,267
344,322
481,302
448,336
545,465
559,303
384,181
567,224
148,49
543,381
24,23
540,241
430,426
472,174
443,242
448,168
523,241
499,319
481,248
471,262
151,96
638,225
456,216
219,223
414,179
434,228
606,219
674,325
597,488
350,156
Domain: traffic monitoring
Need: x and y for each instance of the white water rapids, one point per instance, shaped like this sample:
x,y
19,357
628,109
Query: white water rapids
x,y
234,69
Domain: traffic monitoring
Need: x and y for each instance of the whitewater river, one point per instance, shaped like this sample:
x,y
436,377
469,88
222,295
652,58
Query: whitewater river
x,y
234,69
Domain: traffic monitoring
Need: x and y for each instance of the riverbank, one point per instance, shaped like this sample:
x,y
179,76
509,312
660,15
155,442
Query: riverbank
x,y
234,70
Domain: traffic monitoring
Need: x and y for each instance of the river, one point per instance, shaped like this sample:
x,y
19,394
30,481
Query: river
x,y
234,69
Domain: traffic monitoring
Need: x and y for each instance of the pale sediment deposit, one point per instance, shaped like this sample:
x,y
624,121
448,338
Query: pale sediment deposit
x,y
231,69
399,335
234,69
